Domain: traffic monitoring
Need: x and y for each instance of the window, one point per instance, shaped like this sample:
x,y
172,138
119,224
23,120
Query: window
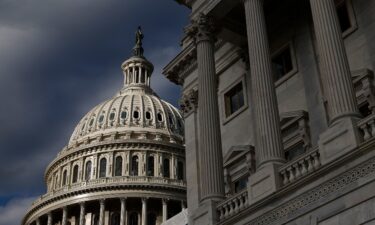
x,y
112,116
88,170
180,170
240,184
64,177
160,117
115,218
118,166
148,115
56,181
103,167
234,99
124,114
166,169
75,174
345,15
91,122
282,63
150,166
134,171
151,219
136,114
101,118
133,219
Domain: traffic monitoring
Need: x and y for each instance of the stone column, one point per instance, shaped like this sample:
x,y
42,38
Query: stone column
x,y
123,212
101,212
49,220
338,79
165,209
268,145
211,164
342,134
82,213
64,216
38,221
144,211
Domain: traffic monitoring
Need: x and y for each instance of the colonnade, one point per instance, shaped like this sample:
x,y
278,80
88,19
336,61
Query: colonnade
x,y
137,75
64,215
268,146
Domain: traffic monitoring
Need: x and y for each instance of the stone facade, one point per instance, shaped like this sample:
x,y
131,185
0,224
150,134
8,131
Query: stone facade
x,y
280,95
124,163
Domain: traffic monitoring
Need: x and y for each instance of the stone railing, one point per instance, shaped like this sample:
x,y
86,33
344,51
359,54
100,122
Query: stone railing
x,y
367,127
301,166
232,205
111,180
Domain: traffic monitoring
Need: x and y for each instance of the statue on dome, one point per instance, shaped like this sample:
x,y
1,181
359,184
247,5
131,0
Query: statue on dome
x,y
138,49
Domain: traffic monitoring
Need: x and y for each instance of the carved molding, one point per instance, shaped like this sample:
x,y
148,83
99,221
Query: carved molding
x,y
189,101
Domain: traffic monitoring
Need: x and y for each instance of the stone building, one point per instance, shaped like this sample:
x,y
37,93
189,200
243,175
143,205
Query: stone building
x,y
278,101
124,163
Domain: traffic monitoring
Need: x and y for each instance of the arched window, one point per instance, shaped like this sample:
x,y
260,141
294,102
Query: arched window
x,y
180,170
88,170
148,115
150,166
118,166
65,174
133,219
134,171
103,167
151,219
75,174
136,114
115,219
160,117
166,168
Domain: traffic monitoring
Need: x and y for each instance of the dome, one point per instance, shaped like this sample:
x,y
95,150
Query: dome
x,y
125,155
134,110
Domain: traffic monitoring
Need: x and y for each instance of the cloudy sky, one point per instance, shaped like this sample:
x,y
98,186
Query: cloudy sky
x,y
58,59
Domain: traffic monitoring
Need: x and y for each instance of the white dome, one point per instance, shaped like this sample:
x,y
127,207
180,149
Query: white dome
x,y
132,110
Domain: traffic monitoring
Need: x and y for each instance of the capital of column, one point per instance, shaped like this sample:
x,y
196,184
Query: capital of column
x,y
201,29
102,201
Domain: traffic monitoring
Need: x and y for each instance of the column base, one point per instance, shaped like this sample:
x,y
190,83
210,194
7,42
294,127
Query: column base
x,y
341,137
205,214
264,182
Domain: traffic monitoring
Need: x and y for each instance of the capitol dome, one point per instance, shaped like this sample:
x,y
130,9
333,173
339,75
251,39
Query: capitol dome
x,y
124,163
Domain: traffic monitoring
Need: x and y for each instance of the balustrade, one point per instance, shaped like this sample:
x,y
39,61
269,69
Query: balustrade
x,y
233,205
367,127
301,166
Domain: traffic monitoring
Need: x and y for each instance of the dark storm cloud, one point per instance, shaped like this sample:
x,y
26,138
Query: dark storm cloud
x,y
58,59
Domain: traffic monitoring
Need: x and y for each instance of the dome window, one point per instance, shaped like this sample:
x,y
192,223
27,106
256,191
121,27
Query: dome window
x,y
136,114
101,118
112,116
160,117
148,115
91,122
124,114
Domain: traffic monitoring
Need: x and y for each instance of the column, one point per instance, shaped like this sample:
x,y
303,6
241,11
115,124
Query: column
x,y
165,209
49,219
82,213
38,221
144,211
211,164
64,216
124,212
101,212
183,205
268,145
338,89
